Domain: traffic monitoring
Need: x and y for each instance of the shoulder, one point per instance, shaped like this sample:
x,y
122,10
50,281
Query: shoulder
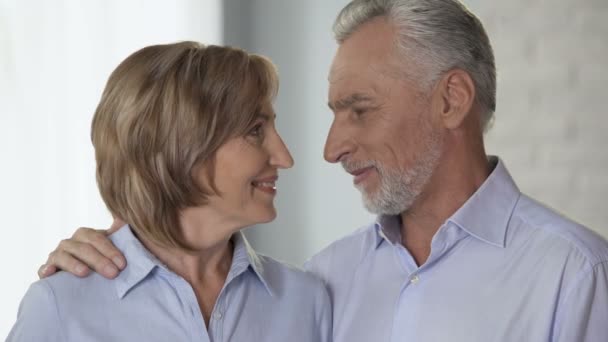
x,y
43,309
283,277
346,252
68,289
37,319
543,224
292,287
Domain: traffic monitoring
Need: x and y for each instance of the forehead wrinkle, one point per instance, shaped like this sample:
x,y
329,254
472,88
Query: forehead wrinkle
x,y
378,87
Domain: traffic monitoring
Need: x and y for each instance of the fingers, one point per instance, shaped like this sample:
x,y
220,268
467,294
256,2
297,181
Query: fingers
x,y
87,249
76,257
46,270
104,249
60,259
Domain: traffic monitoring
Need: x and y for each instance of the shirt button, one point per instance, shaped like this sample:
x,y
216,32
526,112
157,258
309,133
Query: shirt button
x,y
414,279
217,315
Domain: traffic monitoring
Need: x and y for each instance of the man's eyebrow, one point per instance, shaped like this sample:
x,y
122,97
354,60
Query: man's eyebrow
x,y
349,101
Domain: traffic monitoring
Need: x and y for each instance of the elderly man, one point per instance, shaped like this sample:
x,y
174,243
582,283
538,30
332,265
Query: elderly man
x,y
457,253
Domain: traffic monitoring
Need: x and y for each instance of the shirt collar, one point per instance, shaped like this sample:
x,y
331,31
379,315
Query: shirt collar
x,y
388,228
486,214
245,258
140,262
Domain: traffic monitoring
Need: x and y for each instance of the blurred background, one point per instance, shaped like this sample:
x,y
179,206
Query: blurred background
x,y
55,56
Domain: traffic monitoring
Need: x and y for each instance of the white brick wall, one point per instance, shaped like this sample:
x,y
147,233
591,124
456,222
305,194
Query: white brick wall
x,y
551,124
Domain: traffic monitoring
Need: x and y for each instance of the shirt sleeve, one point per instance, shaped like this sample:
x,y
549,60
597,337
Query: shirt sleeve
x,y
325,316
583,316
37,318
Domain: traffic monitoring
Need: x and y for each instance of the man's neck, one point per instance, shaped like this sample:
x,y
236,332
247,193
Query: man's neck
x,y
455,180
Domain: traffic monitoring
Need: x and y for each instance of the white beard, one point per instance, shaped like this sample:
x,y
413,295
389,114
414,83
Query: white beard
x,y
399,189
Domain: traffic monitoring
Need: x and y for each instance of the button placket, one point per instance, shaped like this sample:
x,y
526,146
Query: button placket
x,y
188,298
217,317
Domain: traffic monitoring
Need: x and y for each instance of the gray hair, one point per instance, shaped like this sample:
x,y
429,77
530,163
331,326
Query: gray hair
x,y
437,36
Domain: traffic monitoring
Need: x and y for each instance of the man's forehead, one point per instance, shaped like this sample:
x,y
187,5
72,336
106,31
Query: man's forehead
x,y
369,80
363,64
339,72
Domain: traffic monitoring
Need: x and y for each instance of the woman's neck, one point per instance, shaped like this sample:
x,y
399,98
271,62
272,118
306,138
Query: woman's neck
x,y
206,266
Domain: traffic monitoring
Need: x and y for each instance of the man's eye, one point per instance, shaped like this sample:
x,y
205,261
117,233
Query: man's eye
x,y
359,111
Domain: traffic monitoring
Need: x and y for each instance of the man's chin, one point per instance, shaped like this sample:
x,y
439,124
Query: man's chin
x,y
373,205
378,207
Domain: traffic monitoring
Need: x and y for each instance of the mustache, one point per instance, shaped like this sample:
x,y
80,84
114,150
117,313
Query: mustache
x,y
354,165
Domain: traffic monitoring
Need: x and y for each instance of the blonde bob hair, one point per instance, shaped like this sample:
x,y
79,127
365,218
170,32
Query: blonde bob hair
x,y
164,112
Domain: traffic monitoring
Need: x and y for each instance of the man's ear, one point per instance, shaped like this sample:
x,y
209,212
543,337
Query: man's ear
x,y
455,96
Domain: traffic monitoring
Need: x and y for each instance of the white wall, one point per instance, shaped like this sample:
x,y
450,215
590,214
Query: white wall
x,y
55,57
316,201
551,122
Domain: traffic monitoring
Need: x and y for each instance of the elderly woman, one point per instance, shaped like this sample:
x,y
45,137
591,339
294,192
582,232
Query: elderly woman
x,y
188,155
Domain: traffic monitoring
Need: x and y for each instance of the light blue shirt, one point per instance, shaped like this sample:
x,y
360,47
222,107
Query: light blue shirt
x,y
262,300
502,268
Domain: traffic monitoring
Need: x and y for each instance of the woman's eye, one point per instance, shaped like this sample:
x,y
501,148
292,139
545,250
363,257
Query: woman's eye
x,y
256,131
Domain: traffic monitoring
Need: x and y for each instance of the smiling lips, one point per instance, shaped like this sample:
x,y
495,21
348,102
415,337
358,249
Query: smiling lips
x,y
361,174
267,185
